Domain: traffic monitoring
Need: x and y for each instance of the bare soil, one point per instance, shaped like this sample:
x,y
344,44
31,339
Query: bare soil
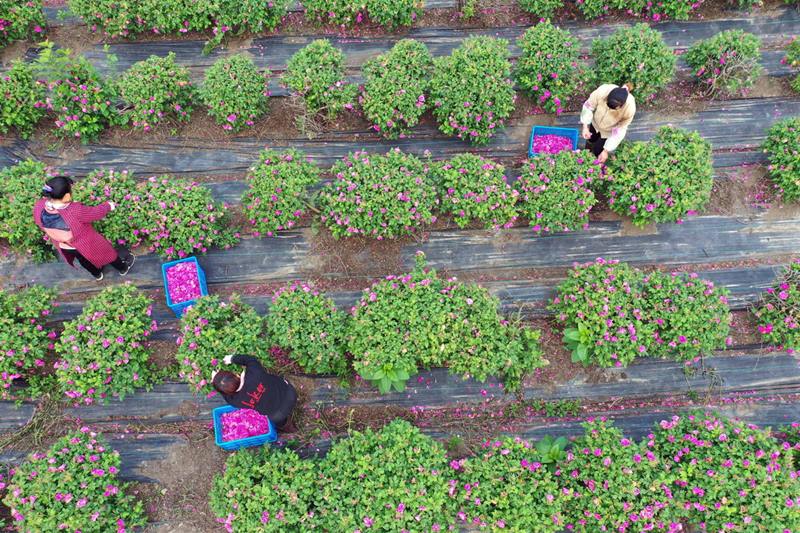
x,y
179,500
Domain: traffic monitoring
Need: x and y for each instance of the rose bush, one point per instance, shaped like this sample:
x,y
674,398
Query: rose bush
x,y
548,68
179,218
74,487
636,54
664,9
389,13
316,74
778,312
102,352
79,97
180,16
692,316
24,338
793,60
118,226
505,486
278,190
212,329
783,151
390,480
308,324
727,475
614,313
20,19
661,180
20,188
727,63
264,490
475,188
555,192
613,483
235,92
156,89
420,319
22,104
395,83
381,196
541,9
600,305
471,89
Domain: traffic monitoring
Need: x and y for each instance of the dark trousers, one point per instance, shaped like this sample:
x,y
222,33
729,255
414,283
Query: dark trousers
x,y
281,416
595,143
120,263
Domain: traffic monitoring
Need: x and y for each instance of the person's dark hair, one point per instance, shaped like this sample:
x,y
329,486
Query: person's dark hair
x,y
617,97
225,382
57,188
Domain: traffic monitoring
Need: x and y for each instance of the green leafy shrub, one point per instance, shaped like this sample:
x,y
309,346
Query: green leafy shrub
x,y
661,180
102,352
636,54
471,91
727,475
727,63
80,493
692,316
316,74
599,304
235,92
79,97
378,196
394,88
156,89
748,4
22,104
542,9
656,11
555,193
783,151
778,312
474,188
792,58
277,197
20,188
610,479
505,486
20,19
548,66
389,13
264,490
100,186
419,319
120,19
179,217
309,325
212,329
614,313
24,337
390,480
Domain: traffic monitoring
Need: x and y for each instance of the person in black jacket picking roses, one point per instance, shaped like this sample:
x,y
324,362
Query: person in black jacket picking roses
x,y
256,389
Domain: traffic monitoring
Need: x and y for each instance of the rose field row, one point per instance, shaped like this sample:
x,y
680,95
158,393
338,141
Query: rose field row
x,y
399,85
640,482
103,352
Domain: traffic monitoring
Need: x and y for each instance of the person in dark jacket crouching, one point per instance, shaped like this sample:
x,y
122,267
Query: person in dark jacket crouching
x,y
268,394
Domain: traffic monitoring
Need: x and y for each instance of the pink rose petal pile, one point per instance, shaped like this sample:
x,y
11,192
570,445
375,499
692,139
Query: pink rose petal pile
x,y
183,282
551,144
243,423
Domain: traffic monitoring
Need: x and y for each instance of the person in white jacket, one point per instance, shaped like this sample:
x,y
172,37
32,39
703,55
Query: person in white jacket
x,y
606,116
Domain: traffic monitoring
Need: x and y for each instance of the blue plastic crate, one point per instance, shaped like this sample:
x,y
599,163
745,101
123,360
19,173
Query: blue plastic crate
x,y
231,445
179,308
570,133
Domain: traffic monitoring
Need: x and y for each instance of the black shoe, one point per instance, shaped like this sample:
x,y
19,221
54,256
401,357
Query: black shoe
x,y
128,265
99,277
